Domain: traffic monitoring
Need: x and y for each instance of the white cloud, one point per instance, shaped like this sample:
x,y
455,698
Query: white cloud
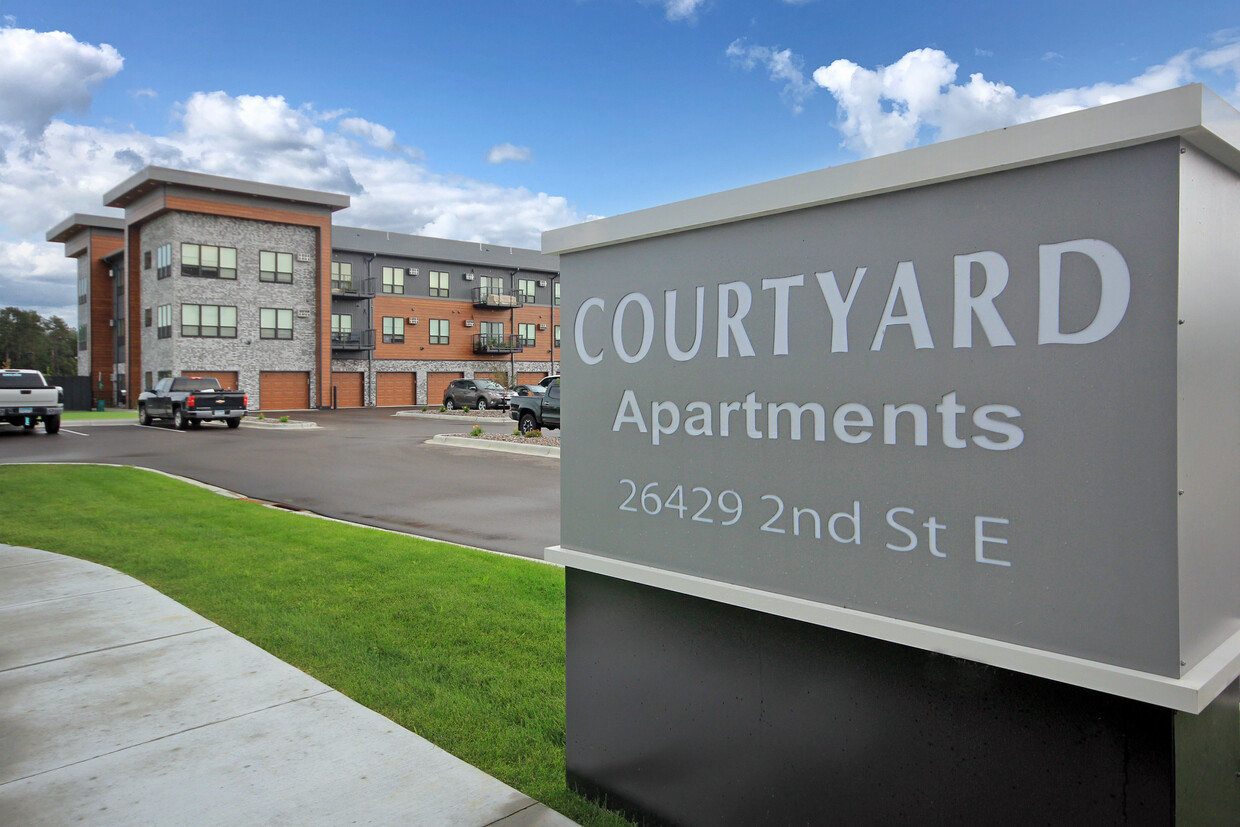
x,y
57,168
917,99
781,65
679,9
144,93
44,73
503,153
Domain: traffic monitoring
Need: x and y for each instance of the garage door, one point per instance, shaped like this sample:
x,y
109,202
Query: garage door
x,y
227,378
280,390
395,388
529,378
437,383
348,390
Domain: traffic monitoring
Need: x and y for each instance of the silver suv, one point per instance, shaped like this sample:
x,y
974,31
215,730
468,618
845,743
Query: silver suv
x,y
476,393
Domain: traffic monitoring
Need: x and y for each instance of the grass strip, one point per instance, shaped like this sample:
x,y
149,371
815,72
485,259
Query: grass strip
x,y
462,647
85,416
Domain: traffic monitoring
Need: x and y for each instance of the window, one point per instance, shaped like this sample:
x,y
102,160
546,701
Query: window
x,y
492,333
275,323
163,261
342,275
439,331
146,260
491,284
208,262
342,328
146,317
393,330
163,321
526,333
526,288
393,280
83,287
555,294
209,321
148,380
439,284
164,374
556,339
277,267
83,341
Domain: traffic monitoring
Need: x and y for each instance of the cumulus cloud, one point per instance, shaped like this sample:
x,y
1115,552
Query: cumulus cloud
x,y
781,65
50,168
918,99
676,10
45,73
503,153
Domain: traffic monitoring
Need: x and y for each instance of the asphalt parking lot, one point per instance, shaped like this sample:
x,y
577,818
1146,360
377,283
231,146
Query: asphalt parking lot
x,y
362,464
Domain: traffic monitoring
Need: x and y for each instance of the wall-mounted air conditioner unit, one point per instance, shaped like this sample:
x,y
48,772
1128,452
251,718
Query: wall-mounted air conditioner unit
x,y
469,322
413,271
542,282
542,327
469,277
412,320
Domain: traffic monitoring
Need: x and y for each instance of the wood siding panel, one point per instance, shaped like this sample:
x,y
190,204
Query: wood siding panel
x,y
460,345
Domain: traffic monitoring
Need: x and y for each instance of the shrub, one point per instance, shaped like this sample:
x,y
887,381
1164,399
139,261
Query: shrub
x,y
534,434
443,408
284,419
261,415
477,431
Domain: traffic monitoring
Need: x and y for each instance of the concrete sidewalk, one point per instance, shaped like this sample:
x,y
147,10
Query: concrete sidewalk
x,y
120,706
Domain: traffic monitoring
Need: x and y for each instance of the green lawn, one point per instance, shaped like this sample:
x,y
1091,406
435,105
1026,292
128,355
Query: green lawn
x,y
463,647
69,416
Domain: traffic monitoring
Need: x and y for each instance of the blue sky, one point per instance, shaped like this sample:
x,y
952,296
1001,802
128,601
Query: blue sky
x,y
497,120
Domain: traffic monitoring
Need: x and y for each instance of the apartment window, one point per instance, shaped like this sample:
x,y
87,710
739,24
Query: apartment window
x,y
439,331
491,284
146,317
556,338
526,333
208,262
148,379
275,323
146,260
393,330
342,275
163,374
163,261
83,340
439,284
526,288
342,328
163,321
83,287
209,321
491,331
275,267
555,294
393,280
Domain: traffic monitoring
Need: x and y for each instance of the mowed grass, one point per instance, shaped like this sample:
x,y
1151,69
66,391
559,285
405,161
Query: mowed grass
x,y
462,647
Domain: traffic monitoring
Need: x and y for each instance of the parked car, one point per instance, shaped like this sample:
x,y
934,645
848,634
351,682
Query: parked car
x,y
546,381
475,393
191,400
533,413
528,390
26,398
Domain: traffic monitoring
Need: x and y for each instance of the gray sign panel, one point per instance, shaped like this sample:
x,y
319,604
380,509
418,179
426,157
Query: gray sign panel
x,y
953,405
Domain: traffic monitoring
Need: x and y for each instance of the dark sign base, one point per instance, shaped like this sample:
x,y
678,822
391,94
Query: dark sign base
x,y
684,711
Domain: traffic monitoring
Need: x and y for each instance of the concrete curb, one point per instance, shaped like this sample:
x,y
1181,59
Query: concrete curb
x,y
549,451
272,423
481,420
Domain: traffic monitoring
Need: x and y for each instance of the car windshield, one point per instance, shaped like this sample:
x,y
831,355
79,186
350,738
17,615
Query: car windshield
x,y
195,384
15,379
489,385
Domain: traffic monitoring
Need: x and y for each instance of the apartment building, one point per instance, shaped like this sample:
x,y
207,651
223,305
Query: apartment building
x,y
252,283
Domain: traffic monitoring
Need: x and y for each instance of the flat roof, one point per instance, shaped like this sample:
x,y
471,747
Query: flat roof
x,y
78,222
1193,113
151,178
382,242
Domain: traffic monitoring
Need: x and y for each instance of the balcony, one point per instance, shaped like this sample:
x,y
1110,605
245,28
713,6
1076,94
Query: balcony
x,y
497,298
356,288
353,340
497,344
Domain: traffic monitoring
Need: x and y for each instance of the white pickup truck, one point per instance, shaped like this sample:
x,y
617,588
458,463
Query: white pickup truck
x,y
26,398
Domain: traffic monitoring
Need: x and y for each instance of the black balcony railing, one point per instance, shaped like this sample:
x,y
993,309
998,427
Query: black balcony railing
x,y
354,288
353,340
497,298
484,343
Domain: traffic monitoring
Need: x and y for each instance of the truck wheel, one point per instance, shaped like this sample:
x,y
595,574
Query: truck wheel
x,y
527,423
144,418
51,424
235,422
178,419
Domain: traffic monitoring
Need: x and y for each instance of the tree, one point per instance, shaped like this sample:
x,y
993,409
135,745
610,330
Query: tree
x,y
27,340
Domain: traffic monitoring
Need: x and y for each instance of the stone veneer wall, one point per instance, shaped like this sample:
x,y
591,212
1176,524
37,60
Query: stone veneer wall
x,y
247,354
422,367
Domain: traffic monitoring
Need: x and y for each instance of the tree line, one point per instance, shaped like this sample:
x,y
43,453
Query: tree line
x,y
27,340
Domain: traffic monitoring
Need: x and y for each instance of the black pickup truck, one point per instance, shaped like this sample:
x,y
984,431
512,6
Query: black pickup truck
x,y
191,400
538,411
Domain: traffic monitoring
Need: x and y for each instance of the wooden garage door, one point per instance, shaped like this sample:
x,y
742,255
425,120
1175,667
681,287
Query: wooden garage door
x,y
280,390
395,388
348,390
436,384
529,378
227,378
